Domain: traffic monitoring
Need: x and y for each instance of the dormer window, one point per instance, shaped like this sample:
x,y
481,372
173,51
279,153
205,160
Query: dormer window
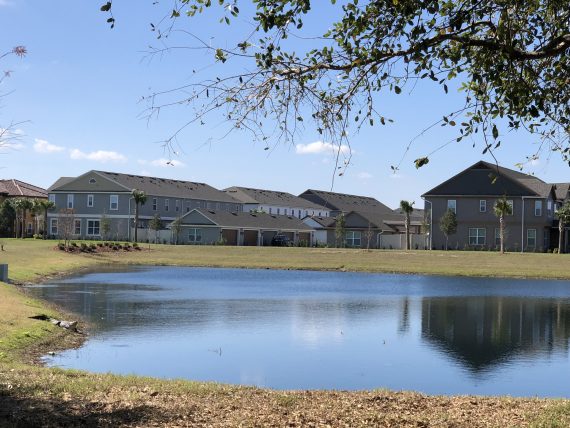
x,y
92,181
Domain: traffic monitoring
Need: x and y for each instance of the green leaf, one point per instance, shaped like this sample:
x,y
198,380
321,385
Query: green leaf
x,y
421,162
397,89
495,132
106,7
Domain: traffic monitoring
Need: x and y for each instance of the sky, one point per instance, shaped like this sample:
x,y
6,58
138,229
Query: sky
x,y
78,98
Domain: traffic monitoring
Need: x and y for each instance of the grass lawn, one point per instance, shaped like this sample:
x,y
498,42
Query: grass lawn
x,y
37,396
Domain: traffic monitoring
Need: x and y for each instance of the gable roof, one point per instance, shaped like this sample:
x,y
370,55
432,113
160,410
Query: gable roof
x,y
155,186
249,195
15,188
561,190
346,203
249,220
484,178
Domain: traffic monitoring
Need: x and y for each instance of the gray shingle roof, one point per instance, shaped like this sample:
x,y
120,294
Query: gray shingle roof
x,y
346,203
155,186
15,188
561,190
248,195
484,178
61,181
251,220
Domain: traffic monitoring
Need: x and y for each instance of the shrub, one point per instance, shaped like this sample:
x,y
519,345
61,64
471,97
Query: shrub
x,y
61,246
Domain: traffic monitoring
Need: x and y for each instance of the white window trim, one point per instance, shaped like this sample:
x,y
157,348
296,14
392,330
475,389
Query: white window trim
x,y
528,238
353,235
111,203
154,204
90,198
477,235
512,204
167,205
538,208
454,209
75,226
193,235
70,201
87,227
482,205
51,224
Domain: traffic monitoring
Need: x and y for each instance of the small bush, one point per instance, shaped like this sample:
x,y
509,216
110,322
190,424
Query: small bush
x,y
61,246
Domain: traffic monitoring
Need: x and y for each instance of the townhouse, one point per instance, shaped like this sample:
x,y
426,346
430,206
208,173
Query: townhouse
x,y
86,200
275,202
471,195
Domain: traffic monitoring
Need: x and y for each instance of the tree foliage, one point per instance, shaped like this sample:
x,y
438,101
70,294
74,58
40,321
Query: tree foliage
x,y
448,224
340,230
563,214
407,208
510,59
502,208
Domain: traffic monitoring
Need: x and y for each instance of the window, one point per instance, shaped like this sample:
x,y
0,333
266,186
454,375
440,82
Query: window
x,y
512,204
270,210
319,214
477,236
353,238
498,237
77,227
278,210
93,227
166,204
154,204
194,235
177,206
549,208
537,209
482,206
51,198
53,226
285,211
531,238
114,202
69,201
90,201
452,205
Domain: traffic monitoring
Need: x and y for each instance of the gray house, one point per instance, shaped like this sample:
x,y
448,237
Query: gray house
x,y
82,202
202,226
275,202
472,193
368,222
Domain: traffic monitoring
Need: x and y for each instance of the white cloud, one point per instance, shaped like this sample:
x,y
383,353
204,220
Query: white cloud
x,y
364,175
5,3
163,163
98,156
42,146
320,147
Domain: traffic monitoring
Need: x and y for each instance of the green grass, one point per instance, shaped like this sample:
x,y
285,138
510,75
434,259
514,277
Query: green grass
x,y
37,396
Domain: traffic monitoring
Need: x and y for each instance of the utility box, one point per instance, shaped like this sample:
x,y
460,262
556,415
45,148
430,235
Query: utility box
x,y
4,272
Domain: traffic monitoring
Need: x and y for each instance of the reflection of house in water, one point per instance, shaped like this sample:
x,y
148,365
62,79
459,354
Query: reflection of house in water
x,y
482,332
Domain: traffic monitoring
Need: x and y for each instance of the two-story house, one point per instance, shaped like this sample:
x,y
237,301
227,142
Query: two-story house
x,y
471,195
275,202
96,195
368,222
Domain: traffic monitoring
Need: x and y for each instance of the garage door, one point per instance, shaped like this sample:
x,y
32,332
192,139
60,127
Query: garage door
x,y
230,236
250,237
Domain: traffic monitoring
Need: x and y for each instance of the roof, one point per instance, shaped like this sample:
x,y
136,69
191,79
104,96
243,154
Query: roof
x,y
484,178
60,182
15,188
346,203
248,220
561,190
416,213
155,186
249,195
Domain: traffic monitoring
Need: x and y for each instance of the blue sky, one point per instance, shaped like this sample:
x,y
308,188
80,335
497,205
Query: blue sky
x,y
79,90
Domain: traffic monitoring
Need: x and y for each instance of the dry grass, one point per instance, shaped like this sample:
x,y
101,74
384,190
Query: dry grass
x,y
36,396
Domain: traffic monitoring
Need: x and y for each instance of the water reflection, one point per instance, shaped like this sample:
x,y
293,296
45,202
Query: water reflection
x,y
482,332
290,329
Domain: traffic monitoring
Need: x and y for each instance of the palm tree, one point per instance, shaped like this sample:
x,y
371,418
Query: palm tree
x,y
563,214
17,205
407,208
140,199
502,208
45,205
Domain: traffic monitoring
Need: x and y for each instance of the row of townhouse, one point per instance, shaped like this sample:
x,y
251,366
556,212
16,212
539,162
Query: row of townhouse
x,y
205,215
246,216
471,195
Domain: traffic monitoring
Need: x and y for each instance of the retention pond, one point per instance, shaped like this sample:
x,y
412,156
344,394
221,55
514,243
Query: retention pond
x,y
315,330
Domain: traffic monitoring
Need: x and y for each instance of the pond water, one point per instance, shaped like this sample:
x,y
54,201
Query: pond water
x,y
314,330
